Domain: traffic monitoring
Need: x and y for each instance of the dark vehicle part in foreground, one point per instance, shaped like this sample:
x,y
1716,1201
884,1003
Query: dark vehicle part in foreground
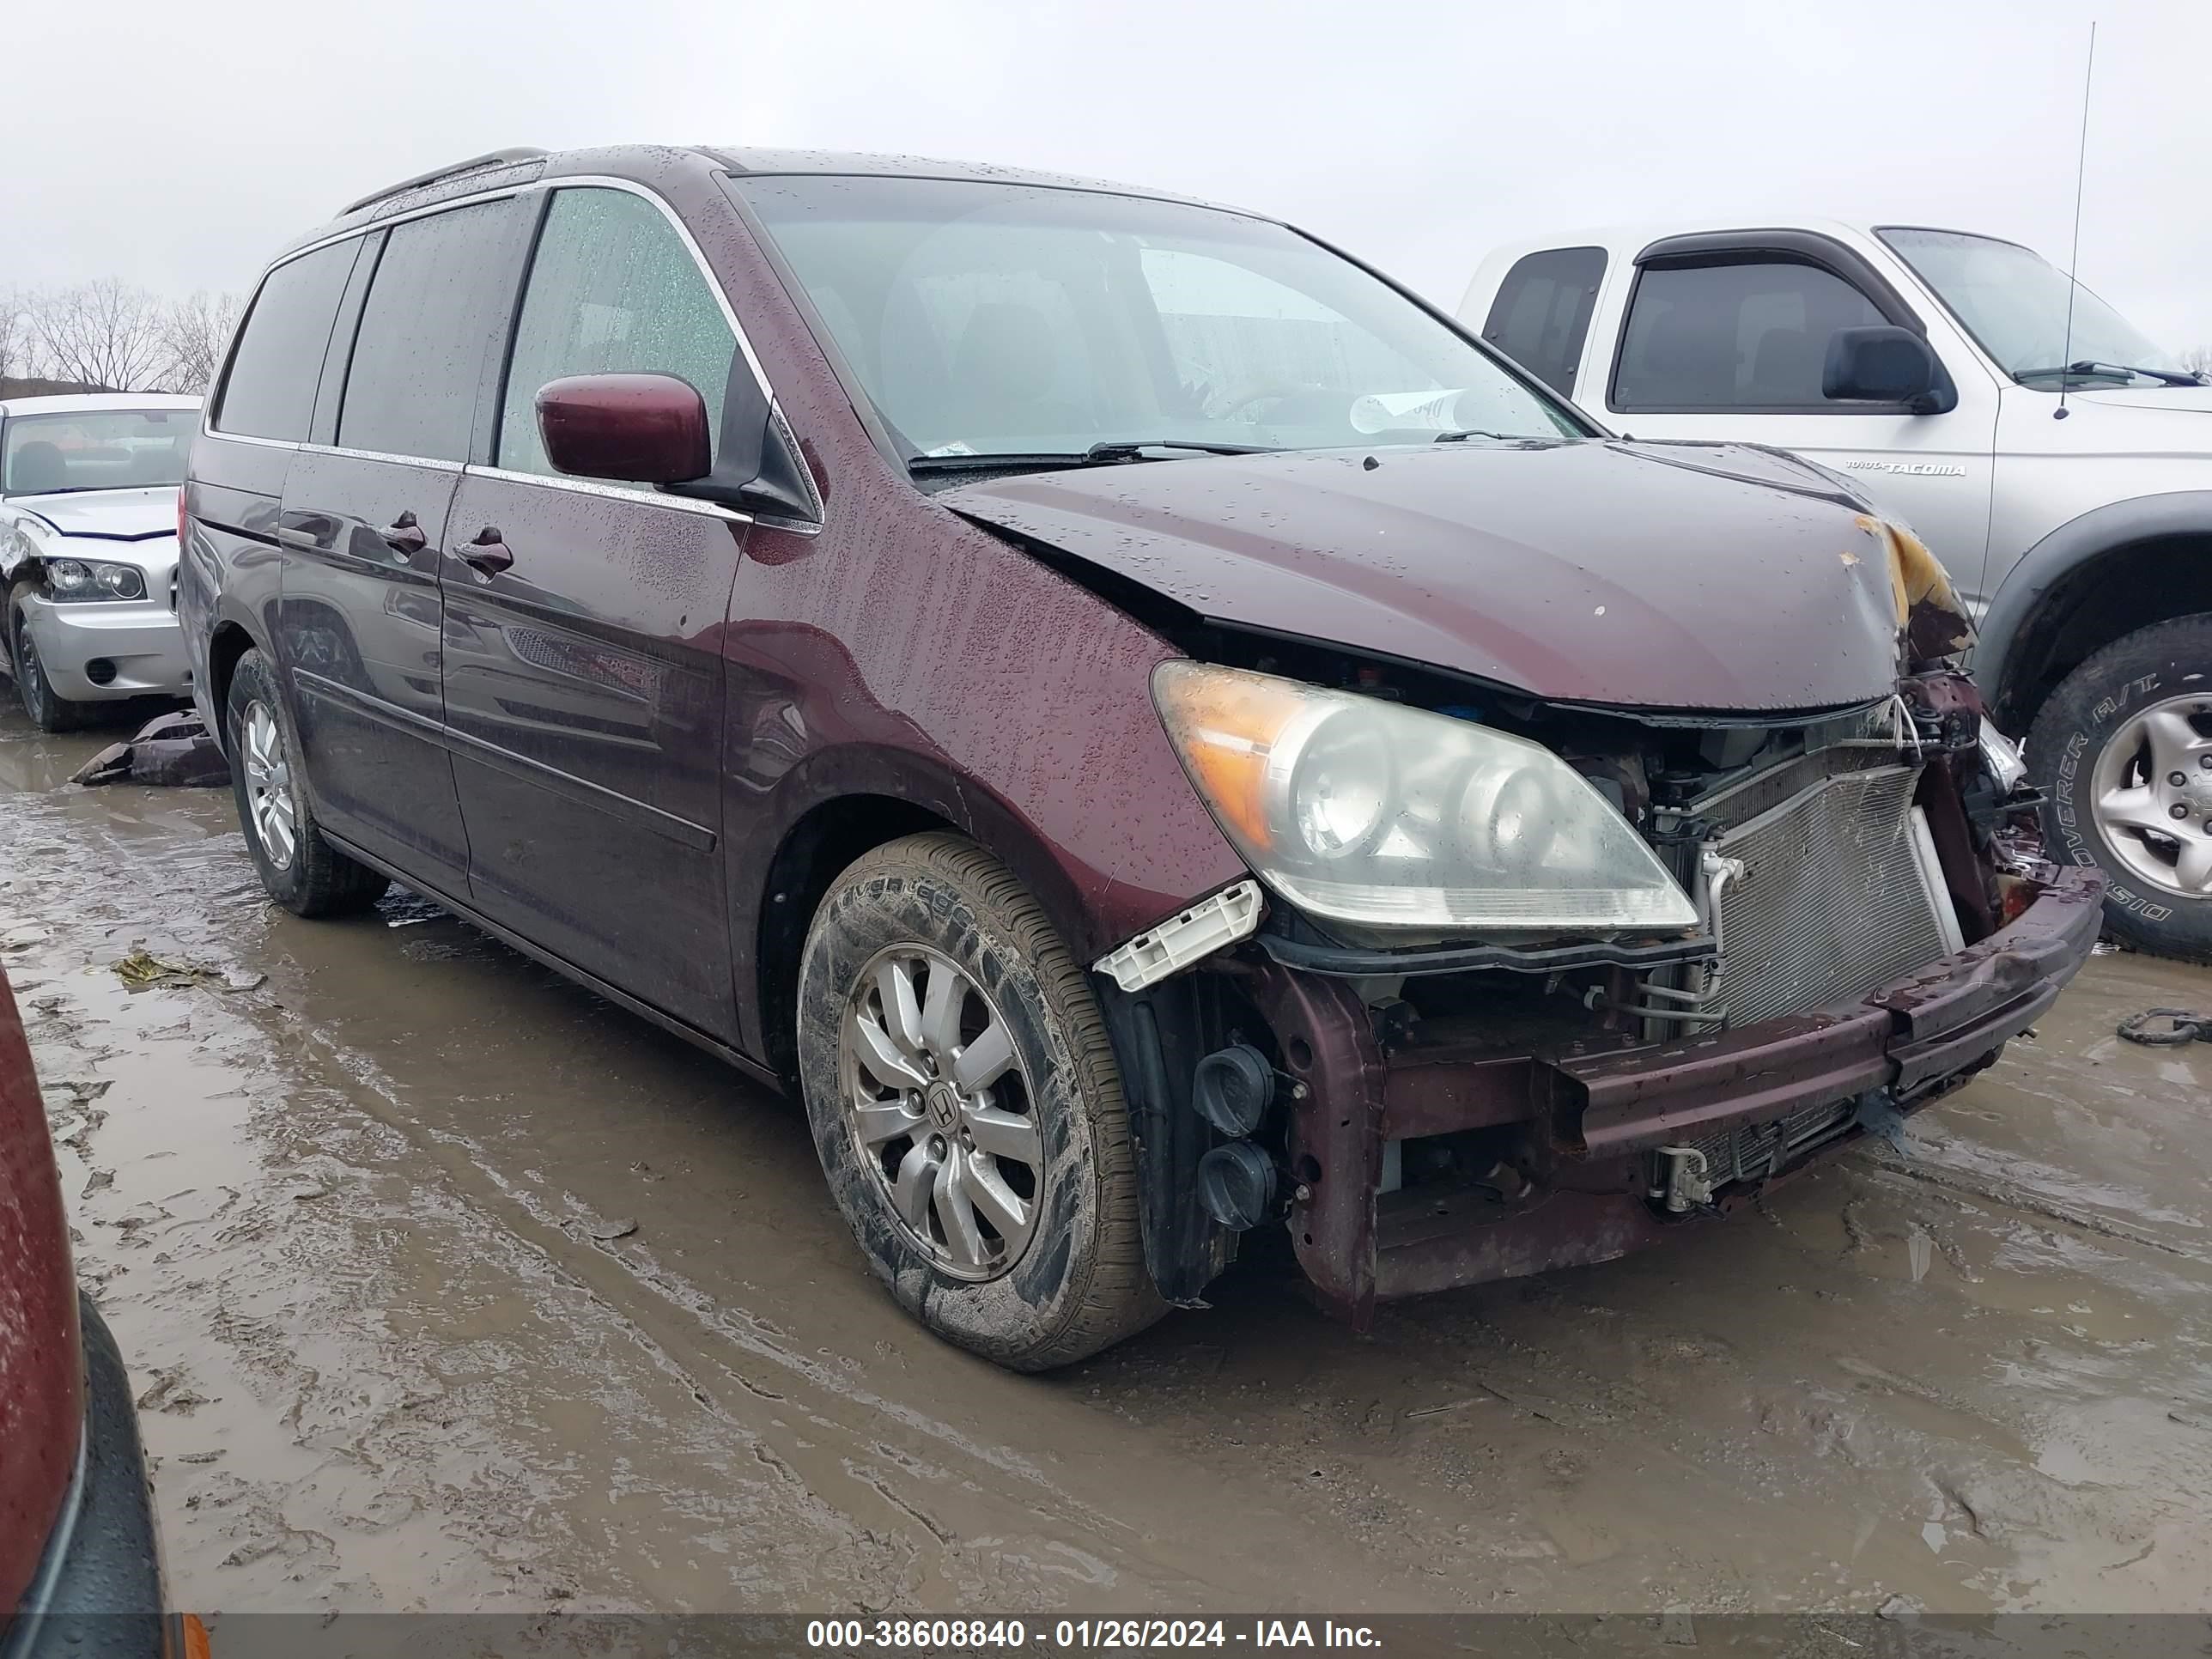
x,y
80,1564
1150,729
172,750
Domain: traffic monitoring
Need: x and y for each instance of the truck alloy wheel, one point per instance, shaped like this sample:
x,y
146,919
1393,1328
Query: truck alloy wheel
x,y
2124,751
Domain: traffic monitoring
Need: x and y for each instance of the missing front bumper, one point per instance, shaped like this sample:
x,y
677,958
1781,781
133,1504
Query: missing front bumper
x,y
1598,1116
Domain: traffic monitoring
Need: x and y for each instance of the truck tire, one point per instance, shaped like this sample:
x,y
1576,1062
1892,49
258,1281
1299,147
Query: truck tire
x,y
967,1108
299,868
2123,748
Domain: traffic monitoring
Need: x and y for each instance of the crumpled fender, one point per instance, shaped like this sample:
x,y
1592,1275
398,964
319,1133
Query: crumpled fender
x,y
1933,624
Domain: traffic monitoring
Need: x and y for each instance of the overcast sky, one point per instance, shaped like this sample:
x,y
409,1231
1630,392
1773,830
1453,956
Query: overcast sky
x,y
177,144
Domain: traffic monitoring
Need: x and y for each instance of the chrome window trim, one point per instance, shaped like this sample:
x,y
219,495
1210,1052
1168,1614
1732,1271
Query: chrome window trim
x,y
539,187
436,464
612,491
207,431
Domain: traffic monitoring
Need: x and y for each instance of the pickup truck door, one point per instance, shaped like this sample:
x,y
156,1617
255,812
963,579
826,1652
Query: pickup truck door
x,y
1725,336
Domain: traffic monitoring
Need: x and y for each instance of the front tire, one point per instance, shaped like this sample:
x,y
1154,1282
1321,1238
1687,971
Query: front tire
x,y
299,868
2124,751
967,1108
49,710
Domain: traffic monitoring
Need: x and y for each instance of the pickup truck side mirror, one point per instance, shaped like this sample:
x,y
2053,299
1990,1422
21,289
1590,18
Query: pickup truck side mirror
x,y
1886,365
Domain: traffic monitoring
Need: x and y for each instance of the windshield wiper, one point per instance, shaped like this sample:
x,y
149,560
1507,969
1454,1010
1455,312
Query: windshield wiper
x,y
1132,449
1099,454
2169,376
1468,436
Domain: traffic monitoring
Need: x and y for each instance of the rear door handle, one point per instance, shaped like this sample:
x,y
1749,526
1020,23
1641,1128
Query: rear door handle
x,y
403,535
487,554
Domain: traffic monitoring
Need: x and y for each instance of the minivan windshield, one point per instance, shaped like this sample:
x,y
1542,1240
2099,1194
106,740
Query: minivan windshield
x,y
2013,301
1009,320
96,449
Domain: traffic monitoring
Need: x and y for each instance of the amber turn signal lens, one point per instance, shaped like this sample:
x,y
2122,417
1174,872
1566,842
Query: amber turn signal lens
x,y
1225,725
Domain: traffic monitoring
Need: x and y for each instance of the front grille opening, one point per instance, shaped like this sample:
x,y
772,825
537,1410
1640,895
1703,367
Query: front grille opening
x,y
1752,1152
1834,902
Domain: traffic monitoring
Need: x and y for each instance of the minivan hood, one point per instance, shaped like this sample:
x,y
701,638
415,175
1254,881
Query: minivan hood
x,y
121,514
1675,576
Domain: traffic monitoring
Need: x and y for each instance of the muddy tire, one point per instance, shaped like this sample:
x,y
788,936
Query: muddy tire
x,y
967,1108
2106,748
300,869
49,710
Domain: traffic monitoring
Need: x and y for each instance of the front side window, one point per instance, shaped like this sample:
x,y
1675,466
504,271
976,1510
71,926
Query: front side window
x,y
1542,312
419,353
2014,303
1737,335
613,289
270,392
103,449
987,319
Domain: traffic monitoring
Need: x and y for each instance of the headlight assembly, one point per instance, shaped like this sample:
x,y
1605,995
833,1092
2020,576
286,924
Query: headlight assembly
x,y
94,579
1366,812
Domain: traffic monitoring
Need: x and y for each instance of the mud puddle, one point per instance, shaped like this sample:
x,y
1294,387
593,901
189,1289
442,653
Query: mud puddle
x,y
448,1286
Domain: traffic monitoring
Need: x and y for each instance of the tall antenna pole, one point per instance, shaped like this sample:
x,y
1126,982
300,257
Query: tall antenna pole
x,y
2074,258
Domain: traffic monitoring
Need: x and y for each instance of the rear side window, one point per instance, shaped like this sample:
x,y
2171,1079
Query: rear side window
x,y
419,354
270,392
1747,336
613,290
1541,315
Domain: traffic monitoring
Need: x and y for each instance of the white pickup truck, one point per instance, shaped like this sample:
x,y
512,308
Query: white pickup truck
x,y
2064,477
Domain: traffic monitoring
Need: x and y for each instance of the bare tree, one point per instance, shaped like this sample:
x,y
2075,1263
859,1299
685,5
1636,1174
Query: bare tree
x,y
196,333
104,334
2198,360
14,335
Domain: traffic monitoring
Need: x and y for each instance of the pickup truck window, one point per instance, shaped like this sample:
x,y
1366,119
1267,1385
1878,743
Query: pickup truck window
x,y
1542,312
1742,335
2013,301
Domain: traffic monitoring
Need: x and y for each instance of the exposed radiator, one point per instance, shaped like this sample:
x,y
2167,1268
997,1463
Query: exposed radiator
x,y
1750,1152
1834,901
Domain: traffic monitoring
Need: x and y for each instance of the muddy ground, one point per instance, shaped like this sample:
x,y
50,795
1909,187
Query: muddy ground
x,y
448,1286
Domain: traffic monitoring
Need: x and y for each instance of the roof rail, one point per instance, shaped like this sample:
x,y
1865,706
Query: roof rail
x,y
489,158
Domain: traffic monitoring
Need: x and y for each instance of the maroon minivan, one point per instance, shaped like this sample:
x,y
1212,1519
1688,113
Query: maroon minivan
x,y
1145,724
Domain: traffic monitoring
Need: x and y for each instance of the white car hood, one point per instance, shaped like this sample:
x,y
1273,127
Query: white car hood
x,y
2192,399
126,515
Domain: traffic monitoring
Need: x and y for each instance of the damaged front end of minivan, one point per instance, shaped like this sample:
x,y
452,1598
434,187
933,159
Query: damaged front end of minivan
x,y
1522,981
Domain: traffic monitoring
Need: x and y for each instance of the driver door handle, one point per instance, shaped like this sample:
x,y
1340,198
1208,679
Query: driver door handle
x,y
487,554
403,535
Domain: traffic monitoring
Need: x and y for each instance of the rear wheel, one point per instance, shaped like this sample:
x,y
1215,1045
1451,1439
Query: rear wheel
x,y
967,1108
49,710
300,869
2123,750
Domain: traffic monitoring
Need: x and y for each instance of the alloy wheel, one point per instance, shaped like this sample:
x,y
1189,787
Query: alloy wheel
x,y
269,785
940,1108
2151,794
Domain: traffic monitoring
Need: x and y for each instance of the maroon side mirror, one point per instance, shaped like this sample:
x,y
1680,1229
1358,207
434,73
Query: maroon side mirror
x,y
636,429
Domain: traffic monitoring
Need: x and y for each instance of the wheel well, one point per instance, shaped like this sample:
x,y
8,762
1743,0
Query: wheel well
x,y
819,848
2119,590
228,643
